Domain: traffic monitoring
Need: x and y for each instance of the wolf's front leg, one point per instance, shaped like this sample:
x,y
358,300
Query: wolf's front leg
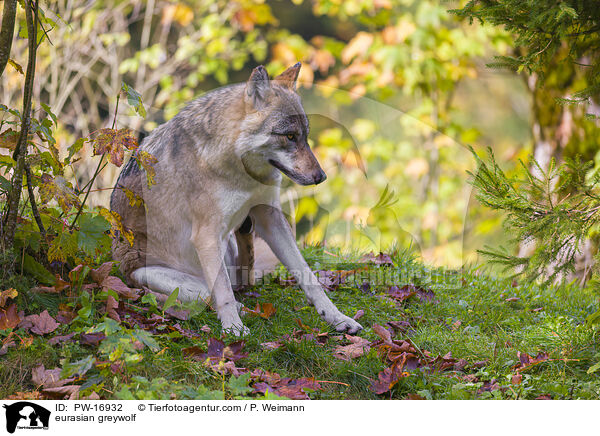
x,y
210,252
271,225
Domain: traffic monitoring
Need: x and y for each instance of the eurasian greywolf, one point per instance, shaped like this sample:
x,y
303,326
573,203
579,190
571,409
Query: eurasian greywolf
x,y
217,180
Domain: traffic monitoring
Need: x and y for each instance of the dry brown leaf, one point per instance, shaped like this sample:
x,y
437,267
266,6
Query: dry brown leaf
x,y
99,274
48,378
111,308
117,285
42,324
358,347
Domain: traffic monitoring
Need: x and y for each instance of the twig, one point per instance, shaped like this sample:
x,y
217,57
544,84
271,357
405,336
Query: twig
x,y
34,209
98,169
335,382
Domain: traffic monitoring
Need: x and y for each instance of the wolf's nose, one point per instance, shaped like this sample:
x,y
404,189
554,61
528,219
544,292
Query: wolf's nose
x,y
319,176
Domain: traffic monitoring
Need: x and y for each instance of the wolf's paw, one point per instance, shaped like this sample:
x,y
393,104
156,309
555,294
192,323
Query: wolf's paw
x,y
237,329
230,320
340,322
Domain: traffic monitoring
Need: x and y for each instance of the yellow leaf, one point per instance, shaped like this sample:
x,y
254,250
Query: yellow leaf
x,y
8,139
179,12
16,66
357,46
5,295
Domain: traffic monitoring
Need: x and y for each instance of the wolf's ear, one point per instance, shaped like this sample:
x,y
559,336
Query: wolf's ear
x,y
289,77
258,87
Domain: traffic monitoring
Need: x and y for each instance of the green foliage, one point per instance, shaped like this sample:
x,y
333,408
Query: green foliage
x,y
542,28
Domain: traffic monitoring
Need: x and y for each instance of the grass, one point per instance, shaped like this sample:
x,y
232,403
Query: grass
x,y
475,316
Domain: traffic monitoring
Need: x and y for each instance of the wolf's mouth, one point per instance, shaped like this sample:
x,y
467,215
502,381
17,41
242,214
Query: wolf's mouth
x,y
280,167
298,178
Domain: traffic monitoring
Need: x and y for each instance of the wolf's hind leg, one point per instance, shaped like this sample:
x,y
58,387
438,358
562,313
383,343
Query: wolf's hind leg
x,y
165,280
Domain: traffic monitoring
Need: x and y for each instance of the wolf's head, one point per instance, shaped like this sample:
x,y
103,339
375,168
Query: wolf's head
x,y
275,129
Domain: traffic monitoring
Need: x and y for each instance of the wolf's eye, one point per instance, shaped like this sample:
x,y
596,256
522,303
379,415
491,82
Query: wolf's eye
x,y
291,136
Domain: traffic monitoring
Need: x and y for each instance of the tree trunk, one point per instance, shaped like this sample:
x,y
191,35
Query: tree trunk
x,y
20,153
7,31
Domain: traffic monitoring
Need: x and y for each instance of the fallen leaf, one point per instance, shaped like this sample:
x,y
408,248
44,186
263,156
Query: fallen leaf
x,y
380,259
217,351
58,339
414,397
358,346
65,316
283,386
266,310
34,395
517,379
111,308
182,315
387,379
41,324
92,339
9,318
7,294
117,285
5,346
101,273
526,361
405,292
69,392
544,397
512,299
48,378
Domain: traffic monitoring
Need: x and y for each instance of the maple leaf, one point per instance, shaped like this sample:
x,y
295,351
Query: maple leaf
x,y
526,361
114,142
387,379
9,318
48,378
358,346
283,386
59,189
40,324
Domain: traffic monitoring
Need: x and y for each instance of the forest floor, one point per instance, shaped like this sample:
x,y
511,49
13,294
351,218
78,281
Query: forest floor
x,y
428,334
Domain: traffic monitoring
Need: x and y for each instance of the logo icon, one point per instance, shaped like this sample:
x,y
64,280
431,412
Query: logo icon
x,y
26,415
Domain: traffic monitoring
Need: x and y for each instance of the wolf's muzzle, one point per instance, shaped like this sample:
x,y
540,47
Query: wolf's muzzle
x,y
319,176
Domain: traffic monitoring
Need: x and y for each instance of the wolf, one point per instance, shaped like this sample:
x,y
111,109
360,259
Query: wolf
x,y
217,185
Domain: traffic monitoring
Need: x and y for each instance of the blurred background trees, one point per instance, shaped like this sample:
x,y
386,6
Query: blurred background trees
x,y
393,89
